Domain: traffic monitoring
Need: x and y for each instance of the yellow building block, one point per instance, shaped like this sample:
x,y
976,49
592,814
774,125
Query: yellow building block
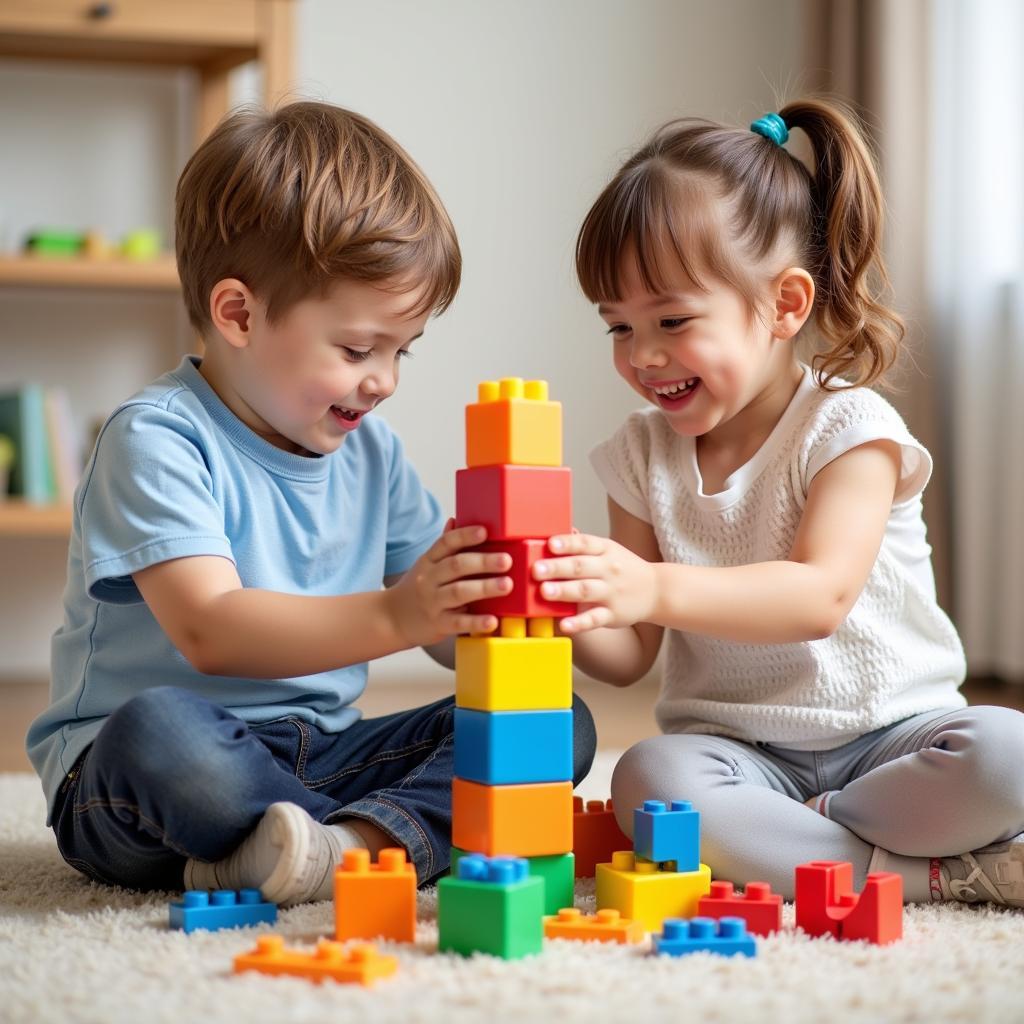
x,y
513,671
513,423
642,891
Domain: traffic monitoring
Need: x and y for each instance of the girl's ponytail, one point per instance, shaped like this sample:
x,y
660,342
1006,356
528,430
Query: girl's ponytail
x,y
861,333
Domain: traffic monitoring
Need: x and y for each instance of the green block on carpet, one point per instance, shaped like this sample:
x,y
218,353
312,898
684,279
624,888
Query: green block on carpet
x,y
494,907
558,871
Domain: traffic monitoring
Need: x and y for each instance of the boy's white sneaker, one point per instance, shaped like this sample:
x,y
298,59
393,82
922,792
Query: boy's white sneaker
x,y
290,857
993,874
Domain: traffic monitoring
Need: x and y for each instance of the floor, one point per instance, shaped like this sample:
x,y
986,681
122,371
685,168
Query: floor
x,y
623,716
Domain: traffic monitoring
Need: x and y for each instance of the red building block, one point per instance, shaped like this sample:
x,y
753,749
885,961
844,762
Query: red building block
x,y
827,905
758,906
595,835
515,502
524,601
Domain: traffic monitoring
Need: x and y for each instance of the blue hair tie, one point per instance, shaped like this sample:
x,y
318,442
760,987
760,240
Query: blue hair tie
x,y
771,126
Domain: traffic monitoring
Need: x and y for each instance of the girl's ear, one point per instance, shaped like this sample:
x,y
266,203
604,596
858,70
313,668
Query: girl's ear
x,y
232,306
794,299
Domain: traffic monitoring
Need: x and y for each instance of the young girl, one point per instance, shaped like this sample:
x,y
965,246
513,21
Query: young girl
x,y
767,513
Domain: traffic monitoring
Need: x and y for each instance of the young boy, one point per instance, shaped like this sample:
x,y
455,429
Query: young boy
x,y
235,526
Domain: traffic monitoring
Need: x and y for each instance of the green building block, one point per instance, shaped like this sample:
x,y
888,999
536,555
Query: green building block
x,y
558,871
494,906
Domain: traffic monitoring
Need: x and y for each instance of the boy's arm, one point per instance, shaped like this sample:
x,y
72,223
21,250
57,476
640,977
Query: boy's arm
x,y
622,656
225,628
443,652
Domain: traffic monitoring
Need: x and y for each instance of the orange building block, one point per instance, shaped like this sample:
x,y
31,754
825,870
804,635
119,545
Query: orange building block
x,y
361,964
604,926
595,835
827,905
519,821
375,900
514,423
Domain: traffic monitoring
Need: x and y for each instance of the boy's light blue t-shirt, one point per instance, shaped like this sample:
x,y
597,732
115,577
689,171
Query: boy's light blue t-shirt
x,y
176,473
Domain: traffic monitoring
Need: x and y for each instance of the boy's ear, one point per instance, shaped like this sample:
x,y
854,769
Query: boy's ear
x,y
231,309
794,298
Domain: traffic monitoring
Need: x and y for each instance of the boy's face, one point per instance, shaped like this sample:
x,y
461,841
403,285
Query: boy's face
x,y
305,382
701,357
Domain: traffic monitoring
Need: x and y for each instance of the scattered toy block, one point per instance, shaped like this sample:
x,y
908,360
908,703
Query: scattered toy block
x,y
360,964
526,821
827,905
555,869
222,908
604,926
494,906
501,748
668,834
518,669
514,423
595,835
375,900
644,891
726,937
515,502
524,600
759,907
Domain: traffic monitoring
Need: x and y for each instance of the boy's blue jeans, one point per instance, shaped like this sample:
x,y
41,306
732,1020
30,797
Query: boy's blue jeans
x,y
172,775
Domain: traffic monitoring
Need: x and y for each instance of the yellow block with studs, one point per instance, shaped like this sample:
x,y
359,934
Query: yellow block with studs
x,y
513,423
524,668
645,891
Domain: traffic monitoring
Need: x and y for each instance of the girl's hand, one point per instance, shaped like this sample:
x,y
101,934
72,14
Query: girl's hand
x,y
429,602
613,586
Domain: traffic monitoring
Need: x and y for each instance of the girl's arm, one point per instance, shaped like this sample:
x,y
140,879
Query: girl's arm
x,y
623,655
805,597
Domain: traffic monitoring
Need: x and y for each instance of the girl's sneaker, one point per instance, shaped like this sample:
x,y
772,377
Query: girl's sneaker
x,y
993,874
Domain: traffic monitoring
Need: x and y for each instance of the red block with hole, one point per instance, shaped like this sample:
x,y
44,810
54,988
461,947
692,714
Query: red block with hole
x,y
515,502
827,905
524,601
595,835
758,906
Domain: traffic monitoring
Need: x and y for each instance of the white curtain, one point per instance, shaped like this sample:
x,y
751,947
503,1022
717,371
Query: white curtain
x,y
976,292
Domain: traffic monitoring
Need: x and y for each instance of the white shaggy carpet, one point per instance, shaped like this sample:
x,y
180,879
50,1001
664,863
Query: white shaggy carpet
x,y
74,951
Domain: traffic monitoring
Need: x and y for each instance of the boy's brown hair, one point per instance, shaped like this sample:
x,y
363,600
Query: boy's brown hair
x,y
289,200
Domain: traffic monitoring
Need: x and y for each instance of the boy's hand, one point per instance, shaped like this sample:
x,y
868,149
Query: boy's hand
x,y
612,585
429,602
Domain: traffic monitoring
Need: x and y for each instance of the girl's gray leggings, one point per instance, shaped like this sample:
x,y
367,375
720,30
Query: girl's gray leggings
x,y
934,785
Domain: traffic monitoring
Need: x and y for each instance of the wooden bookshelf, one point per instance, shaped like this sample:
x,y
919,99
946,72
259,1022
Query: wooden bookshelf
x,y
22,519
158,275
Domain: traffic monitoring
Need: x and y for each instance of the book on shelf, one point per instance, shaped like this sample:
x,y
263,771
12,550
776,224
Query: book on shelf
x,y
47,446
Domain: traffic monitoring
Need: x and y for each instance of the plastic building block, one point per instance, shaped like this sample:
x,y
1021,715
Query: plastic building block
x,y
360,964
555,869
604,926
595,835
512,671
375,900
759,907
827,905
494,906
726,937
662,834
508,747
514,423
223,908
645,892
524,821
515,502
524,600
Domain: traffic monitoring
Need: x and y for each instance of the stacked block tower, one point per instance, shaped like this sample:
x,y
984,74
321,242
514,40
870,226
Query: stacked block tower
x,y
512,791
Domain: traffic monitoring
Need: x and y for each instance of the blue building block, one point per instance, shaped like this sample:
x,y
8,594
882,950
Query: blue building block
x,y
727,936
507,748
223,908
662,835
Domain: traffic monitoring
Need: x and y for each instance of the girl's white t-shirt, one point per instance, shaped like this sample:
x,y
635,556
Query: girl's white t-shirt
x,y
895,655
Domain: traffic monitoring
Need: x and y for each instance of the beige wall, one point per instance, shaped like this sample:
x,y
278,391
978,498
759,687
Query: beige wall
x,y
518,113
